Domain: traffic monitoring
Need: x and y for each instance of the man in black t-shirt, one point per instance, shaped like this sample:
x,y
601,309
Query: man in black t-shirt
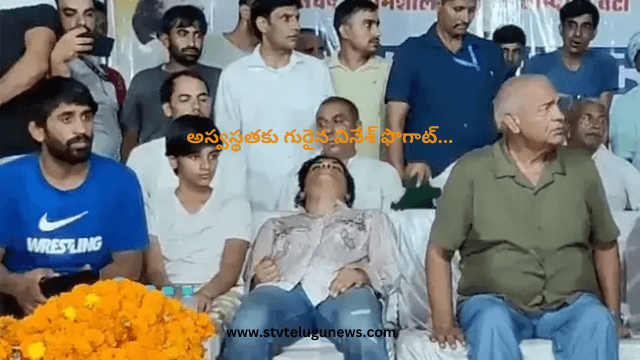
x,y
27,36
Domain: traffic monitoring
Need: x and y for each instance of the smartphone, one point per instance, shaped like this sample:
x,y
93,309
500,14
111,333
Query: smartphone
x,y
102,45
410,182
56,285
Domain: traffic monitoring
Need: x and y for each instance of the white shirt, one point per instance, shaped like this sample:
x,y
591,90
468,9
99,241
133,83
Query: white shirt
x,y
192,244
252,96
625,126
620,179
155,173
440,180
378,185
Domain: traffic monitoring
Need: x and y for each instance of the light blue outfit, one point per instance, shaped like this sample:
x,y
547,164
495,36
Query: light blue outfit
x,y
583,330
270,307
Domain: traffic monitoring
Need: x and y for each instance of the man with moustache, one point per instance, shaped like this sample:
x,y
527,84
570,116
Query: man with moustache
x,y
575,70
621,181
377,183
70,209
275,88
71,57
184,28
358,74
539,255
447,78
326,267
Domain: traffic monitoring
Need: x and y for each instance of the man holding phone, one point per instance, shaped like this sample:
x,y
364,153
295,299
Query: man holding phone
x,y
77,55
66,210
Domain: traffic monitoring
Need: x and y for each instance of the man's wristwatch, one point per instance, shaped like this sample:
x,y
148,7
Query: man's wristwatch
x,y
618,317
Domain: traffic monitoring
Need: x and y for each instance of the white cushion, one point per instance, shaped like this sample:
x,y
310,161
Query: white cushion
x,y
308,349
415,345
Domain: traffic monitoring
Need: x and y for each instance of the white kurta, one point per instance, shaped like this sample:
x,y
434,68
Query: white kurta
x,y
620,179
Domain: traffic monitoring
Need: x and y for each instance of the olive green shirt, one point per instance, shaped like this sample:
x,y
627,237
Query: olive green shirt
x,y
531,244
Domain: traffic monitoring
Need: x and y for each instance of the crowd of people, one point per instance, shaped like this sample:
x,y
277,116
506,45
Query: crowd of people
x,y
103,178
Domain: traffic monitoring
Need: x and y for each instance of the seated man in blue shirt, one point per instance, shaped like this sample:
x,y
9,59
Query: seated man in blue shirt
x,y
70,209
575,70
446,78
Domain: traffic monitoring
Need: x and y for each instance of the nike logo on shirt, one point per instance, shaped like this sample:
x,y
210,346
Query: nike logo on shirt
x,y
45,225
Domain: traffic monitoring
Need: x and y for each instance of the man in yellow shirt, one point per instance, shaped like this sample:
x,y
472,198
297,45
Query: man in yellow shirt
x,y
358,74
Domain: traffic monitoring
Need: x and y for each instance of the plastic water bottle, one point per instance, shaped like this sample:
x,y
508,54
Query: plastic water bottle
x,y
188,299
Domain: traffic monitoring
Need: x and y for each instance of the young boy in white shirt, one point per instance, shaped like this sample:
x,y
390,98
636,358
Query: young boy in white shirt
x,y
202,227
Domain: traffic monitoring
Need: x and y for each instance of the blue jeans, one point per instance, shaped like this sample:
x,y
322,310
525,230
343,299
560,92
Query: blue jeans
x,y
584,330
269,307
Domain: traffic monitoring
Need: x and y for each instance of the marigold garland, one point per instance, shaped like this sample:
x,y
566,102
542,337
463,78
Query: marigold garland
x,y
110,320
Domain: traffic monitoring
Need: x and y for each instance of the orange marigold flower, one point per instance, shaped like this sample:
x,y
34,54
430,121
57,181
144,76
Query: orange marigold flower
x,y
36,350
91,300
172,353
70,313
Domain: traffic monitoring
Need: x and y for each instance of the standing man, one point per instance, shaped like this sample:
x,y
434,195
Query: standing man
x,y
625,123
27,36
222,50
275,88
587,126
358,74
539,255
184,28
444,78
70,209
513,42
575,70
69,59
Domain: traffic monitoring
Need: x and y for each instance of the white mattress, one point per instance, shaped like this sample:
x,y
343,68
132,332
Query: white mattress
x,y
415,345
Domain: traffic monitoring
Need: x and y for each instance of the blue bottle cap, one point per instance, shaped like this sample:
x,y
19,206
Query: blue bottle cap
x,y
150,288
167,290
187,291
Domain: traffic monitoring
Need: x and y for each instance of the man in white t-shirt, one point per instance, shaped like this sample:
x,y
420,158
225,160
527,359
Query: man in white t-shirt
x,y
275,88
203,229
378,184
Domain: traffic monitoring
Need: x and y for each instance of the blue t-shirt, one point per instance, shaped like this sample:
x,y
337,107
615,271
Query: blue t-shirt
x,y
598,73
452,91
44,227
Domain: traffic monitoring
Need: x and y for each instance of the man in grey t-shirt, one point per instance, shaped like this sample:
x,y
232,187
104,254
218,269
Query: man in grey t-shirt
x,y
183,28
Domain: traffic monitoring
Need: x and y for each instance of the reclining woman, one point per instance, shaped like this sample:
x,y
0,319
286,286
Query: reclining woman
x,y
325,268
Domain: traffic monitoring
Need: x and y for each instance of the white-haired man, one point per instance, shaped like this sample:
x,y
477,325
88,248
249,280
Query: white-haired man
x,y
536,238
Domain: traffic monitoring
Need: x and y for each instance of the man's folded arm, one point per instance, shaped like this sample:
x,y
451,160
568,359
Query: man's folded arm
x,y
31,67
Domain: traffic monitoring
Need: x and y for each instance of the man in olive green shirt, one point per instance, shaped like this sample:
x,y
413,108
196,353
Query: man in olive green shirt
x,y
536,238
